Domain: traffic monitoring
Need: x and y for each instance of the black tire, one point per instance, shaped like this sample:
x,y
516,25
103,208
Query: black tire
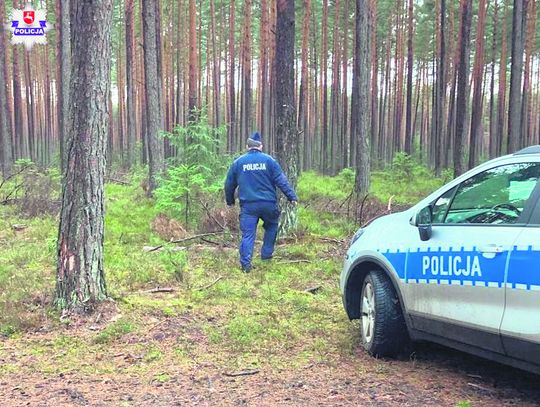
x,y
388,334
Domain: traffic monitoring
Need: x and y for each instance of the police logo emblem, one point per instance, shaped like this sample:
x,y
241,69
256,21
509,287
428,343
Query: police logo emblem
x,y
29,27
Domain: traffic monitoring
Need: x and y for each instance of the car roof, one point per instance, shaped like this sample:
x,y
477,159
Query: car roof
x,y
528,150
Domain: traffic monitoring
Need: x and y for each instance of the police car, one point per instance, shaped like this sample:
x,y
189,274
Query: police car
x,y
460,268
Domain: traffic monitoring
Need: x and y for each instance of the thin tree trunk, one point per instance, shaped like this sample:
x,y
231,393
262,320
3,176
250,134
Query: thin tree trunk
x,y
462,86
193,63
5,128
516,73
63,29
130,82
231,133
477,101
360,105
410,62
153,113
502,134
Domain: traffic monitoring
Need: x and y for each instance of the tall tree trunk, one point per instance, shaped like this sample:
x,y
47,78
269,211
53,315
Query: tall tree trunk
x,y
516,74
492,146
437,129
304,91
130,82
286,131
530,29
410,62
231,133
462,86
80,282
245,100
324,90
153,113
193,63
360,106
63,29
502,134
477,102
6,156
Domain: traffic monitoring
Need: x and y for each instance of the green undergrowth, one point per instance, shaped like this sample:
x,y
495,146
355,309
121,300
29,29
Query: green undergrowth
x,y
215,314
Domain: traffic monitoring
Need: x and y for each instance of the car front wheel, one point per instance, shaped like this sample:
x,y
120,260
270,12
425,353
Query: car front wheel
x,y
383,328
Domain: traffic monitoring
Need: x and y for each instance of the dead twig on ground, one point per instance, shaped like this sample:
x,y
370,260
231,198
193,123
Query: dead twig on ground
x,y
331,240
206,287
247,372
313,290
187,239
294,261
117,181
161,290
477,386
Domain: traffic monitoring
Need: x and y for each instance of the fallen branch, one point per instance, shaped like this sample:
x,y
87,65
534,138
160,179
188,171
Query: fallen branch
x,y
294,261
187,239
313,290
206,287
117,181
210,242
331,240
161,290
247,372
477,386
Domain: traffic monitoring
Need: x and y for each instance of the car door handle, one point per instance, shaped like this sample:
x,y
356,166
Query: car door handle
x,y
491,248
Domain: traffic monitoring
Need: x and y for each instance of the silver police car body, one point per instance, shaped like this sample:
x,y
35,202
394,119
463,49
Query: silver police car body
x,y
460,268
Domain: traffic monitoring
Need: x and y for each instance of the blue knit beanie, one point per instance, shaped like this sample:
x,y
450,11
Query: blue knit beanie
x,y
254,140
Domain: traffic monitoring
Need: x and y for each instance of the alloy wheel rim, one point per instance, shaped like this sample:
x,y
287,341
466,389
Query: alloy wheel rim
x,y
368,312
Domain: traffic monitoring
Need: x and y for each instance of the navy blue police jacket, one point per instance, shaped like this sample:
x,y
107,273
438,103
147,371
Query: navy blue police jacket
x,y
256,175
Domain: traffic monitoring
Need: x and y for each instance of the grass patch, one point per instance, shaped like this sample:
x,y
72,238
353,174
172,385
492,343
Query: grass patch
x,y
114,332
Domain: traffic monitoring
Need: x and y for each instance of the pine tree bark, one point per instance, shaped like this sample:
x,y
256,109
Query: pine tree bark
x,y
246,94
324,91
516,74
530,29
462,86
492,146
6,155
231,133
410,62
286,131
152,83
80,282
193,64
63,29
437,129
502,133
360,106
477,101
131,113
304,91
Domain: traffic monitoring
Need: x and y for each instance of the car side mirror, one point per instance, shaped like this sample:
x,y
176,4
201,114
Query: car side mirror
x,y
423,220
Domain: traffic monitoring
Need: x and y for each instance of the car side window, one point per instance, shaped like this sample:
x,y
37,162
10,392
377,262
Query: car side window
x,y
440,207
495,196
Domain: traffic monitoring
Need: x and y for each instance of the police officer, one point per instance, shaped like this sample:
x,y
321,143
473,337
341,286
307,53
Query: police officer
x,y
257,175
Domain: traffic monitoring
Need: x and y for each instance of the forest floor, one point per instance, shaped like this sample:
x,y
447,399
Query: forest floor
x,y
215,336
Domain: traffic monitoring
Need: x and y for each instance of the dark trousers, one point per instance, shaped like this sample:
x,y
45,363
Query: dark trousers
x,y
250,213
